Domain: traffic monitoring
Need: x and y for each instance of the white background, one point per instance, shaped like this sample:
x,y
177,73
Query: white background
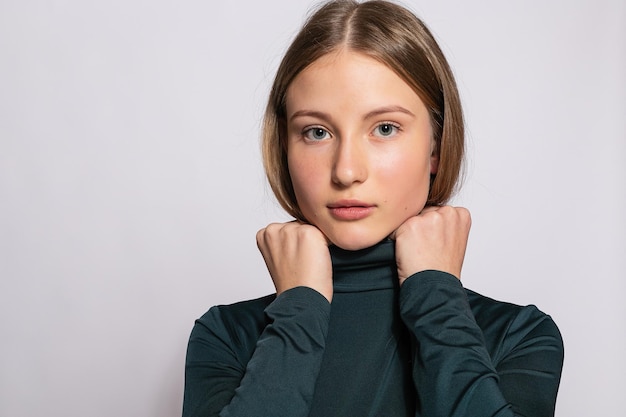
x,y
131,186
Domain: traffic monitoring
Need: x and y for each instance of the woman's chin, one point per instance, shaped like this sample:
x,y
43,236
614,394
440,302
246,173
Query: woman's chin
x,y
354,243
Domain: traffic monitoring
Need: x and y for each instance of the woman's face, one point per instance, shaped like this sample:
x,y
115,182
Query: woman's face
x,y
359,145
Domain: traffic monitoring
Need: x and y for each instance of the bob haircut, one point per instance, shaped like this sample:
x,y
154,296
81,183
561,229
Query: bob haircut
x,y
393,36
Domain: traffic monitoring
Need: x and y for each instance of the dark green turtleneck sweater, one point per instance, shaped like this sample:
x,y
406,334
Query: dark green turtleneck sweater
x,y
429,348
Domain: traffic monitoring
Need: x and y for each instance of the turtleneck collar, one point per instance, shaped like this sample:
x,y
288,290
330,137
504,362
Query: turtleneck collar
x,y
373,268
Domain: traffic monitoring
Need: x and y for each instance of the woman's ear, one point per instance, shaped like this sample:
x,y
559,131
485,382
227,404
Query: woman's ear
x,y
434,164
434,158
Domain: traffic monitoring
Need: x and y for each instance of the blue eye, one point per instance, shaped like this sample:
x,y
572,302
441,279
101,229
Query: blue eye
x,y
386,130
316,134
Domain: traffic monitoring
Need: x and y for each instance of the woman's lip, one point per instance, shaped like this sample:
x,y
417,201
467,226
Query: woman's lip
x,y
350,210
349,203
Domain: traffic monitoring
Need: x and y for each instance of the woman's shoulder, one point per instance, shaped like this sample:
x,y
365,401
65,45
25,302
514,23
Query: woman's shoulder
x,y
486,306
507,326
247,314
234,329
228,333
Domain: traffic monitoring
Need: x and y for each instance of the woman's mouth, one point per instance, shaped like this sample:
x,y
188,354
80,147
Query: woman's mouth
x,y
350,210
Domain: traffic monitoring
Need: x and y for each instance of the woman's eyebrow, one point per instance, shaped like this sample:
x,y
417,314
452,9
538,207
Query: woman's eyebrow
x,y
387,109
310,113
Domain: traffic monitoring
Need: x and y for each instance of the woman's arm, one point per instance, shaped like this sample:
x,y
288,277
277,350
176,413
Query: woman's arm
x,y
454,373
278,379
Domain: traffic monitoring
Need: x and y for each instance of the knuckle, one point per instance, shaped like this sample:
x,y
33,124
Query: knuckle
x,y
411,224
465,215
260,236
306,231
437,217
468,217
269,233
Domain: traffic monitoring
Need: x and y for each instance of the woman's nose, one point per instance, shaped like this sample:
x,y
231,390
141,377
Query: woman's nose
x,y
350,163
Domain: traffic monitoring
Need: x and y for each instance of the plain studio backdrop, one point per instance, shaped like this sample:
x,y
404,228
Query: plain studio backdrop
x,y
131,187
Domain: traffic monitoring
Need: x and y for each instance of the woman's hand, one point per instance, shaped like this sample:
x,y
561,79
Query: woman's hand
x,y
434,239
296,255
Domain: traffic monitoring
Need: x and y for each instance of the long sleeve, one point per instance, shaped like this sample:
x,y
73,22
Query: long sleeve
x,y
454,373
276,377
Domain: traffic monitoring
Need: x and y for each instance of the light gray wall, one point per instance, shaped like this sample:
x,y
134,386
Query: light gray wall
x,y
131,187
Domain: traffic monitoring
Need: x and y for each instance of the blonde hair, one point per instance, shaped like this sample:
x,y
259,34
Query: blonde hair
x,y
393,36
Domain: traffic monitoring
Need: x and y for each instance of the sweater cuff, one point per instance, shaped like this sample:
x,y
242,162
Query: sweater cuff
x,y
428,291
426,279
300,299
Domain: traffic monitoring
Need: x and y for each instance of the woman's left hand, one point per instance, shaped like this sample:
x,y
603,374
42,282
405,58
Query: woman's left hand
x,y
434,239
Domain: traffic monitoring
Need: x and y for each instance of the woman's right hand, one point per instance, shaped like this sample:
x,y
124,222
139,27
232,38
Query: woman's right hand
x,y
296,255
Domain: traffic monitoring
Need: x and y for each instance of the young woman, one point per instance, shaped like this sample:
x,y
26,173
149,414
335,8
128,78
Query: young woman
x,y
362,144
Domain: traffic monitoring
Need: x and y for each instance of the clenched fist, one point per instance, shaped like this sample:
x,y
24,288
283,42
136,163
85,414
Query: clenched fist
x,y
434,239
296,255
